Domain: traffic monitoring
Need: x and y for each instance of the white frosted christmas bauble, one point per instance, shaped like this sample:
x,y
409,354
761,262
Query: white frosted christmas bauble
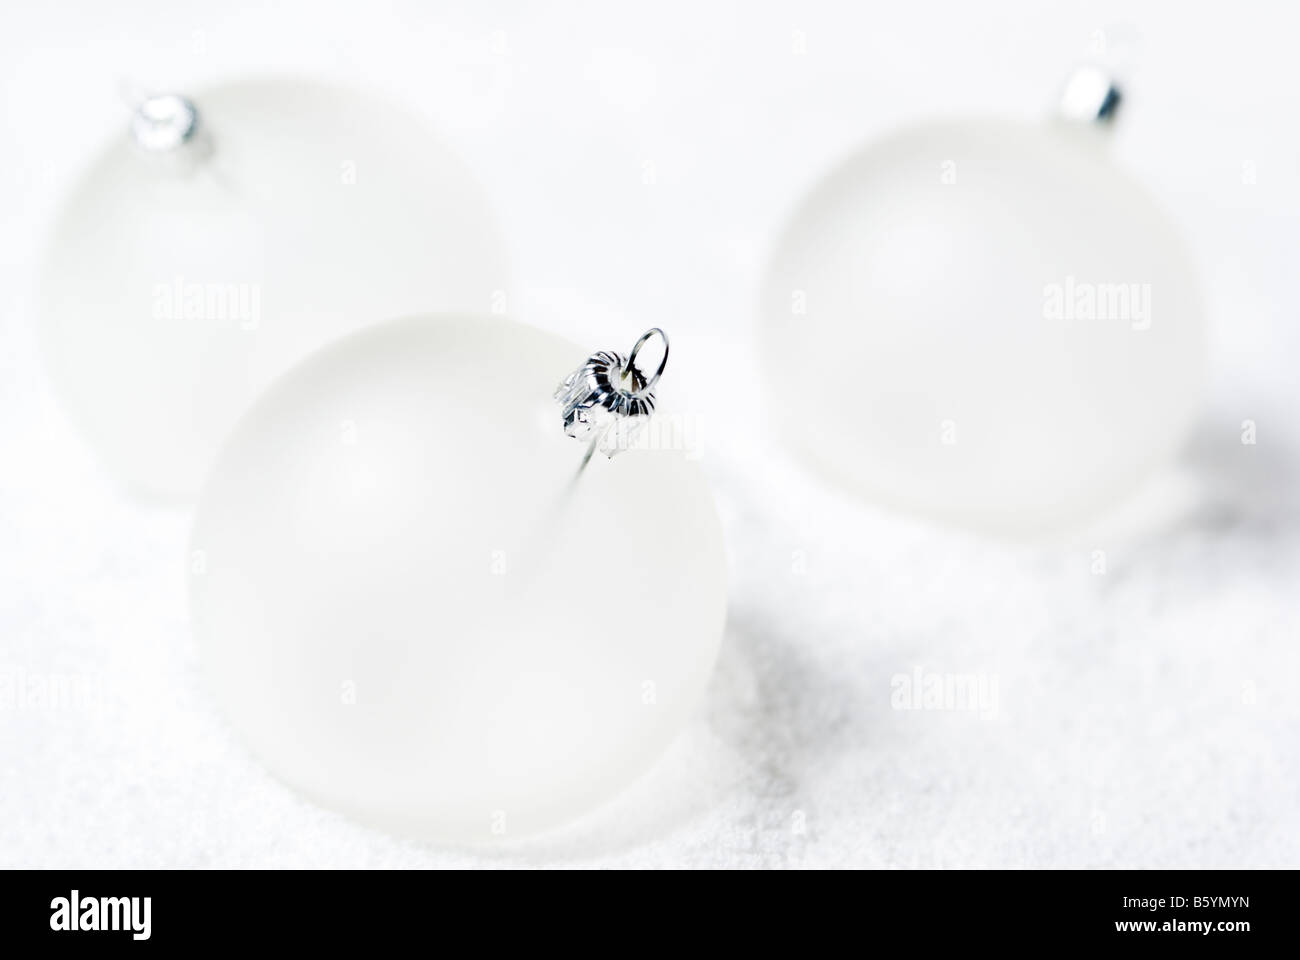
x,y
413,606
984,321
184,274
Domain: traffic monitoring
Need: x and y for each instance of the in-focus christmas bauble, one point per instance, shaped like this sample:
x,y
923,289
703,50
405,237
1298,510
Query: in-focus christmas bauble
x,y
200,256
985,321
415,608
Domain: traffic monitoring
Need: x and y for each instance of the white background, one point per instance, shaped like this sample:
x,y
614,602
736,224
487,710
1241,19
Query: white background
x,y
640,159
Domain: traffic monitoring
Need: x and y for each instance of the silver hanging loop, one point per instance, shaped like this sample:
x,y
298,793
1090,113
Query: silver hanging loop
x,y
636,349
168,131
1090,96
164,122
609,398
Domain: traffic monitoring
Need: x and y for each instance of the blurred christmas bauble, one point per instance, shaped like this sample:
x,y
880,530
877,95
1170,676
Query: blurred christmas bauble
x,y
413,606
984,321
205,252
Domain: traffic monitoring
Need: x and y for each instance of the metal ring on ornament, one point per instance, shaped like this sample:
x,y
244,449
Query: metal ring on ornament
x,y
164,122
636,348
608,398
